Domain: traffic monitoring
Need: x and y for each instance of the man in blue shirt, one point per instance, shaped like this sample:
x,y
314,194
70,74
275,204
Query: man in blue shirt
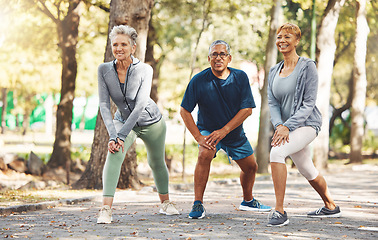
x,y
224,100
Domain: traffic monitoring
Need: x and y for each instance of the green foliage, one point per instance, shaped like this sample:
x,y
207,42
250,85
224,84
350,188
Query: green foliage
x,y
340,135
93,30
30,59
244,24
370,142
43,156
372,54
81,152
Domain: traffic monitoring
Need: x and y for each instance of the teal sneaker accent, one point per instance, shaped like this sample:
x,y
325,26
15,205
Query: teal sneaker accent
x,y
254,205
198,210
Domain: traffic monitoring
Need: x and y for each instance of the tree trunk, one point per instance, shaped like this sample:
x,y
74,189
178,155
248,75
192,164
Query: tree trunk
x,y
359,84
3,109
151,40
25,123
313,31
263,146
136,14
68,30
326,54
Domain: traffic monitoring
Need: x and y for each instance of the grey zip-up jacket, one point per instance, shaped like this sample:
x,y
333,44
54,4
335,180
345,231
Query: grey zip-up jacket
x,y
134,105
304,111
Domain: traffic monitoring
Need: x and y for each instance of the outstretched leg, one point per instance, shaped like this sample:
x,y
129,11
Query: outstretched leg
x,y
303,161
320,186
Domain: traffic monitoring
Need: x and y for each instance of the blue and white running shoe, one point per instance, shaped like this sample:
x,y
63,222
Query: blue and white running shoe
x,y
198,210
254,205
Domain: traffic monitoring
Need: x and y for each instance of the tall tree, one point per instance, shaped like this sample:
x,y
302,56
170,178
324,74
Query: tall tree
x,y
359,83
67,22
135,13
263,146
154,63
313,31
326,54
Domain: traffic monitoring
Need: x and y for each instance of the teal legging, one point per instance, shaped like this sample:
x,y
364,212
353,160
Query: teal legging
x,y
153,137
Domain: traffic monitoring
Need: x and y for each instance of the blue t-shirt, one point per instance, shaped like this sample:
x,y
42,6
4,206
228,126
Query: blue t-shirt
x,y
219,101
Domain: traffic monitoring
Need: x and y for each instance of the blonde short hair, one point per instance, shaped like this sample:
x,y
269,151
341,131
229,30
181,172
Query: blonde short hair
x,y
291,28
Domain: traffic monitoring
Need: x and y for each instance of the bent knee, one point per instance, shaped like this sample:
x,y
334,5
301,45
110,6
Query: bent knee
x,y
309,173
205,156
277,156
248,165
253,168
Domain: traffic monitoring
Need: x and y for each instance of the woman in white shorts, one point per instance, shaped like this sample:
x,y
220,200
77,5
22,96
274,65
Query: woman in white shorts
x,y
292,91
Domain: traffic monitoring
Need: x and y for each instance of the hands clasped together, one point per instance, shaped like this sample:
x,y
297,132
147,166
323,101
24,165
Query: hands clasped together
x,y
281,135
114,146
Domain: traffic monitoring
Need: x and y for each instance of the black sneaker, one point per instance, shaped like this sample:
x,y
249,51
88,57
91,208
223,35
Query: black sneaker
x,y
325,212
277,219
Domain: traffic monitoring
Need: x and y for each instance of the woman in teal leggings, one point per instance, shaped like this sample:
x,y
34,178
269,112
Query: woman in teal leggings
x,y
153,137
127,81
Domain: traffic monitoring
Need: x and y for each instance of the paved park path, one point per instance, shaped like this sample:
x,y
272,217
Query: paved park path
x,y
135,213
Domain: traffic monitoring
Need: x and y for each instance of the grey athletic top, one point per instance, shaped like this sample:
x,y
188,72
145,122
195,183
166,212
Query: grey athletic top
x,y
284,90
134,106
304,112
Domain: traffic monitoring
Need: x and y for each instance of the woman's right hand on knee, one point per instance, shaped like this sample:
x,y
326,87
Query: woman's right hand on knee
x,y
281,136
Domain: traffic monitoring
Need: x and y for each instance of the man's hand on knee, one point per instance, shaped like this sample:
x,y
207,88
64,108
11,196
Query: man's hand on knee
x,y
214,138
202,141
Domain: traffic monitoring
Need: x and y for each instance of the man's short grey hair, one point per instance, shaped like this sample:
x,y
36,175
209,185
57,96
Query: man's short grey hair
x,y
217,42
125,30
